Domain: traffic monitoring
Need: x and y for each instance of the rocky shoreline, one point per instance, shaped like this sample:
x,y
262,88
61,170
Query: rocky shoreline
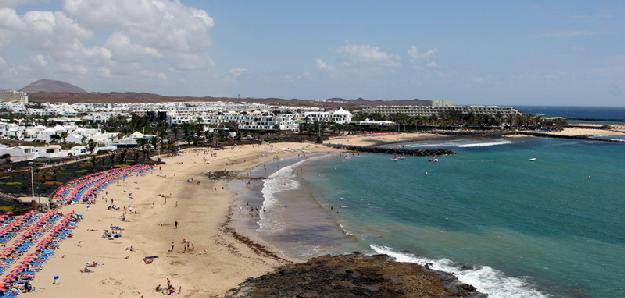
x,y
400,151
354,275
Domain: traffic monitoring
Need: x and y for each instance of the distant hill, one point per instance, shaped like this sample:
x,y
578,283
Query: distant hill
x,y
117,97
51,86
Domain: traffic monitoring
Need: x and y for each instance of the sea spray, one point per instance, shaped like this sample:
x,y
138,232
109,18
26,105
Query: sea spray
x,y
484,278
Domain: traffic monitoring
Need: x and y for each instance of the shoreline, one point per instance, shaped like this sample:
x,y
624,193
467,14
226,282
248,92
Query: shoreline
x,y
221,258
307,228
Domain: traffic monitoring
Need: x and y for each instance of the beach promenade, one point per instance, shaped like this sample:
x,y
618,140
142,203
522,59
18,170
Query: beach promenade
x,y
175,206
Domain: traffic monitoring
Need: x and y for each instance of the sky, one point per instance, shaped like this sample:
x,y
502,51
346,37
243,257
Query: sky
x,y
469,52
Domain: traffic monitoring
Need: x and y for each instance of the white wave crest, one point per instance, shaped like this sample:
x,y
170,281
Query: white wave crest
x,y
485,144
485,279
279,181
345,231
462,143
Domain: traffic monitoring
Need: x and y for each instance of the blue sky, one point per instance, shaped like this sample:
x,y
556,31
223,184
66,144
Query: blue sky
x,y
478,52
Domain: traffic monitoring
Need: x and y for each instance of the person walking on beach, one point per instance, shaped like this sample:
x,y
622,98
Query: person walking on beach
x,y
176,224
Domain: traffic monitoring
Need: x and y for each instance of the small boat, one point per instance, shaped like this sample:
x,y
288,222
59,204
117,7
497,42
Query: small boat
x,y
533,159
396,157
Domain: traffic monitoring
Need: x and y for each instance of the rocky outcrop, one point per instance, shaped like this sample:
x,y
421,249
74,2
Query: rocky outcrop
x,y
354,275
400,151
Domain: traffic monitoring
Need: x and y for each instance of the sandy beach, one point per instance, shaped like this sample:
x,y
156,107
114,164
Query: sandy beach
x,y
379,139
579,131
177,191
218,260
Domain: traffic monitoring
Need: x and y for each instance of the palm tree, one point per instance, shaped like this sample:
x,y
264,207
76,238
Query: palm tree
x,y
143,143
162,134
154,142
93,162
122,155
91,144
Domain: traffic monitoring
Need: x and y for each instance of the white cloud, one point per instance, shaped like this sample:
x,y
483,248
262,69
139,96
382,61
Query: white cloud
x,y
72,68
104,72
423,58
51,32
13,3
322,65
9,20
40,60
122,48
153,75
110,38
366,55
237,71
152,26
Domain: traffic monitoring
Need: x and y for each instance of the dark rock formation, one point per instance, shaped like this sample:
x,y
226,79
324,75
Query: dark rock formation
x,y
52,86
354,275
400,151
217,175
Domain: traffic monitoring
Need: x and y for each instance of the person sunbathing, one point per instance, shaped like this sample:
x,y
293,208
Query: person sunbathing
x,y
86,270
92,264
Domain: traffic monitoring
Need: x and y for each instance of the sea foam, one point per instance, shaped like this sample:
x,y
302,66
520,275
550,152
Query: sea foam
x,y
485,144
485,279
461,143
279,181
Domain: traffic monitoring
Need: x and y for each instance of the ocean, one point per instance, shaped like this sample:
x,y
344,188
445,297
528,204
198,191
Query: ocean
x,y
519,228
604,115
507,225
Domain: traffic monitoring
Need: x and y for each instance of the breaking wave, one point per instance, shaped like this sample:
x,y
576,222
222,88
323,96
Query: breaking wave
x,y
484,278
279,181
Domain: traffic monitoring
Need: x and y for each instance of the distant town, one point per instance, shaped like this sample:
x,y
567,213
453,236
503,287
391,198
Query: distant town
x,y
32,130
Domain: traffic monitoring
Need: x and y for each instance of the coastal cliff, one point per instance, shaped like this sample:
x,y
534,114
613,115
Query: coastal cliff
x,y
354,275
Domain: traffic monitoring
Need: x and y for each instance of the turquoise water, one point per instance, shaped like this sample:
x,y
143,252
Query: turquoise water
x,y
524,228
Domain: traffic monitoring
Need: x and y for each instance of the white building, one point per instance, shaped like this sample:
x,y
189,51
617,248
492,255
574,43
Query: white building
x,y
18,153
51,151
368,122
429,111
339,116
11,131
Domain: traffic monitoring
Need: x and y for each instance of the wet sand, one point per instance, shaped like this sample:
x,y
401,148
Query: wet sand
x,y
220,257
296,225
219,260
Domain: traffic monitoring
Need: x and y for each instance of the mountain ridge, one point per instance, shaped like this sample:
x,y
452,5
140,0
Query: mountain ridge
x,y
51,86
138,97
